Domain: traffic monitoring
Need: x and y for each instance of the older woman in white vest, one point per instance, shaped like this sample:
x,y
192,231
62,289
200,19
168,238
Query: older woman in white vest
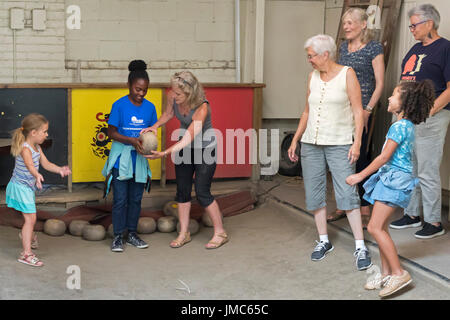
x,y
330,130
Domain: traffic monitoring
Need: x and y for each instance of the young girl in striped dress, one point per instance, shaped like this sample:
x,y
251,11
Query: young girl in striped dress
x,y
25,147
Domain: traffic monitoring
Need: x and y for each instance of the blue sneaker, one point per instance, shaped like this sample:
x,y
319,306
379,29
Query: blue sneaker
x,y
321,249
363,260
134,240
117,244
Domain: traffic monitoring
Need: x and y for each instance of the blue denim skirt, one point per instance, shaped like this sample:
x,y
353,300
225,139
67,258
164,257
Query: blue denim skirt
x,y
390,185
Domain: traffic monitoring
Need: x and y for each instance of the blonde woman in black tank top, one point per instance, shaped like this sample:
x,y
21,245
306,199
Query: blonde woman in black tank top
x,y
187,102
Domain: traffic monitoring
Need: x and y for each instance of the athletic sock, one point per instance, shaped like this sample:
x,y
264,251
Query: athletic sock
x,y
359,244
324,238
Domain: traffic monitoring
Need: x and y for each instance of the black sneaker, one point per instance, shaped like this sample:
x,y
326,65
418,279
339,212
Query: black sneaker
x,y
117,244
321,249
429,231
134,240
363,260
406,222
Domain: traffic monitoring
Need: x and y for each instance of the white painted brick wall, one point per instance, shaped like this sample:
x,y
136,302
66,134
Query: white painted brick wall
x,y
168,34
40,55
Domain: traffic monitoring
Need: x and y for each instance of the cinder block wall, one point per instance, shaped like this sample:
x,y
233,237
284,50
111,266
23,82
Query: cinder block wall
x,y
40,55
169,35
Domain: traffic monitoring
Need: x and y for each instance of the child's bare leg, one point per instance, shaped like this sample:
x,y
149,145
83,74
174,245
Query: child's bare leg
x,y
27,231
377,228
385,269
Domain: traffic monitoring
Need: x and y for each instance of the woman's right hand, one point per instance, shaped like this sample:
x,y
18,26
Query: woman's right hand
x,y
366,116
153,129
291,152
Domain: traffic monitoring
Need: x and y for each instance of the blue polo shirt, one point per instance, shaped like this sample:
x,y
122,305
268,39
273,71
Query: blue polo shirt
x,y
130,120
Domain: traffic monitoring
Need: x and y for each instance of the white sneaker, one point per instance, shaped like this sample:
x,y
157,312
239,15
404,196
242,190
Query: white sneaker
x,y
377,282
395,283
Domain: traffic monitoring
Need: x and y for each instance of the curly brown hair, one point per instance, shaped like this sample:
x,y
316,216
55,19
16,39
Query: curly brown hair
x,y
417,100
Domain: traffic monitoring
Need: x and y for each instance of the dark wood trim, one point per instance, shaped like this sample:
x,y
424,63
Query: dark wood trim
x,y
257,124
69,137
163,142
118,85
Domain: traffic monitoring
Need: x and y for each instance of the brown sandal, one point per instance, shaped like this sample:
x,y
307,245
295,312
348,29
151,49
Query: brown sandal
x,y
177,243
215,244
336,215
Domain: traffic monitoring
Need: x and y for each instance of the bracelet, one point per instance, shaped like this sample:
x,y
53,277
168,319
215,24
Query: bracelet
x,y
368,109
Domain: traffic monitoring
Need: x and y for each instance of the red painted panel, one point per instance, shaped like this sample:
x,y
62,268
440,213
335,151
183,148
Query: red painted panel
x,y
232,108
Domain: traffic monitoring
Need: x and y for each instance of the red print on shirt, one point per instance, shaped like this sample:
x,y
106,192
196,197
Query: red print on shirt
x,y
410,64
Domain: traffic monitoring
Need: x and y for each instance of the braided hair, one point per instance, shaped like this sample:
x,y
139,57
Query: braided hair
x,y
137,70
417,99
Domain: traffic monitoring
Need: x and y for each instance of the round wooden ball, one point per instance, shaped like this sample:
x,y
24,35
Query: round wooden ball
x,y
76,227
54,227
167,224
110,231
149,142
94,232
193,226
206,219
146,225
171,209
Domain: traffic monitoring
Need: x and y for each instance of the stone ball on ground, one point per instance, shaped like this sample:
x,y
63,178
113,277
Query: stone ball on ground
x,y
167,224
149,142
54,227
94,232
111,231
146,225
206,219
76,227
171,209
193,226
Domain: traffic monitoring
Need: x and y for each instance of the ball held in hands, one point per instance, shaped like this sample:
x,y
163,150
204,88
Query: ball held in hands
x,y
149,142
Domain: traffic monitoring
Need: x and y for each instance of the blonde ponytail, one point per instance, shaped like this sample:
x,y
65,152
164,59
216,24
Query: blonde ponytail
x,y
18,138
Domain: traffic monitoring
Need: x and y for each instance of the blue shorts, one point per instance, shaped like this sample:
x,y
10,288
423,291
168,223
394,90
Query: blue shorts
x,y
20,197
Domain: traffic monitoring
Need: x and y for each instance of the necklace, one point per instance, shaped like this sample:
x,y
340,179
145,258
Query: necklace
x,y
351,50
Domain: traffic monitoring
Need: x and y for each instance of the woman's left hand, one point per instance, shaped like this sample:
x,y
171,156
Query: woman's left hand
x,y
353,153
155,155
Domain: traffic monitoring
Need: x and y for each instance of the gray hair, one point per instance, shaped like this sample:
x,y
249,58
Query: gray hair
x,y
322,43
426,12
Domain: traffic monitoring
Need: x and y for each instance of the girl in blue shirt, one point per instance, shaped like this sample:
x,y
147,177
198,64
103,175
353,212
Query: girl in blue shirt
x,y
129,115
391,186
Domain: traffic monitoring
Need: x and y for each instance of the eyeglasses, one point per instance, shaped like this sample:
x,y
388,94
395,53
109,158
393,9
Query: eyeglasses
x,y
414,25
312,56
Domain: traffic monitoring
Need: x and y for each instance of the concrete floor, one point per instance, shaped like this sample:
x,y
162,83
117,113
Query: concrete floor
x,y
268,257
432,255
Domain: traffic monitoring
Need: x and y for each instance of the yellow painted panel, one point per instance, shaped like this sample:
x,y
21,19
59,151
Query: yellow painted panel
x,y
90,143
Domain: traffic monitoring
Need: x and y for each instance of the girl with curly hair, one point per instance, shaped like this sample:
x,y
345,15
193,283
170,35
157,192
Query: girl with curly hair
x,y
391,187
